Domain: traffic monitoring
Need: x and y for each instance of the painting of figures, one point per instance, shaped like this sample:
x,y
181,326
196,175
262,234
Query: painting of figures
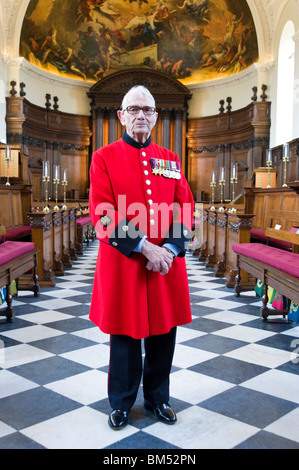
x,y
191,40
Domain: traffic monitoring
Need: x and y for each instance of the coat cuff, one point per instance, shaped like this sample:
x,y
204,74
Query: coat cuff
x,y
125,237
179,235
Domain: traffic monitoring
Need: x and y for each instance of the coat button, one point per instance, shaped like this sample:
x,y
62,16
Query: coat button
x,y
149,191
150,202
185,232
145,172
148,182
143,154
151,211
125,228
152,222
144,163
114,243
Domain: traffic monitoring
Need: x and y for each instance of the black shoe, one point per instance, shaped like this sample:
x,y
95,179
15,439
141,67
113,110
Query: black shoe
x,y
118,419
163,412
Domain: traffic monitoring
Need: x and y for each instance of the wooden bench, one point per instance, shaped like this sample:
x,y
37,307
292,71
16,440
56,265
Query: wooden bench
x,y
274,266
14,204
16,259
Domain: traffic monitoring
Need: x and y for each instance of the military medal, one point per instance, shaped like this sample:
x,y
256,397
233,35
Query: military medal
x,y
166,168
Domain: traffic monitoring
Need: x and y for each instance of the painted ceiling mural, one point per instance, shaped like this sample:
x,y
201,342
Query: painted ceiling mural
x,y
192,40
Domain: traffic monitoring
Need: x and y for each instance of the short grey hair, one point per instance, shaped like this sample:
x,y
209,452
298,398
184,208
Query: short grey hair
x,y
140,89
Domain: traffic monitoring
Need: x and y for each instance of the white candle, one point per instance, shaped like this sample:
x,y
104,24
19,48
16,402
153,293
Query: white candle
x,y
222,173
286,150
213,177
7,153
64,174
269,155
46,168
56,172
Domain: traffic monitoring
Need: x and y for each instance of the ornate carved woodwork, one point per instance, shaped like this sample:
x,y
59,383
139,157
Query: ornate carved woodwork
x,y
171,102
217,141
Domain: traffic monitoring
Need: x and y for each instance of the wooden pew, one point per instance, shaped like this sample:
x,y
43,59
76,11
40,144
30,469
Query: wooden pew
x,y
274,266
16,259
14,205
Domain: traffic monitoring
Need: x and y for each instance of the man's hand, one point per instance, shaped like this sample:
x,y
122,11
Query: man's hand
x,y
159,259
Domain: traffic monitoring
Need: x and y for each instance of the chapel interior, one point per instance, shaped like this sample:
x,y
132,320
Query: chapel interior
x,y
225,77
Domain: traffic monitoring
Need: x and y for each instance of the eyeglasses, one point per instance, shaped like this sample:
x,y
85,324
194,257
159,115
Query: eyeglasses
x,y
147,110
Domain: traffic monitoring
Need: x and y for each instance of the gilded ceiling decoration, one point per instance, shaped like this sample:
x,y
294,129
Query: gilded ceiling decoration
x,y
192,40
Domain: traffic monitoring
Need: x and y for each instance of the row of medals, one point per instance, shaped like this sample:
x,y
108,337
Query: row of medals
x,y
175,174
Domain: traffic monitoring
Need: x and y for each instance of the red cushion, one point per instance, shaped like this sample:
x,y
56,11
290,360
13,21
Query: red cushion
x,y
279,259
14,233
260,235
11,250
84,220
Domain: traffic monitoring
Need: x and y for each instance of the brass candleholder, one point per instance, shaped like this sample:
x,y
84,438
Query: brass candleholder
x,y
234,179
7,160
222,183
64,184
56,183
285,160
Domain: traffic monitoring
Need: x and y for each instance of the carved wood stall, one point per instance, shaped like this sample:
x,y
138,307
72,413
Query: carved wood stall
x,y
171,102
217,141
14,206
48,134
54,235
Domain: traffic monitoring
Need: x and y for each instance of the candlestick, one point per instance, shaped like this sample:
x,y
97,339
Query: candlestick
x,y
222,182
213,186
234,178
8,160
269,165
46,180
285,160
64,184
56,181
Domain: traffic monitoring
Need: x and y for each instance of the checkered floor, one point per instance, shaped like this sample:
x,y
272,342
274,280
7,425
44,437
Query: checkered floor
x,y
234,382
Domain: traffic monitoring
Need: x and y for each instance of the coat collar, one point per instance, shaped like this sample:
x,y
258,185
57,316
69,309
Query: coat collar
x,y
133,142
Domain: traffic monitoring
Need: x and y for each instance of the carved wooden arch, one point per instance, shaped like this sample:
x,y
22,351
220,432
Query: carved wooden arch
x,y
171,101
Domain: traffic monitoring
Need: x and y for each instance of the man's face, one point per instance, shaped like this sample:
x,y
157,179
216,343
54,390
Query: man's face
x,y
138,126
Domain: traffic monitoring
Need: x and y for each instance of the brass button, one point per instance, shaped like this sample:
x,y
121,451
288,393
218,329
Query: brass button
x,y
145,172
150,202
152,222
143,154
144,163
185,232
151,211
114,243
148,182
149,191
125,228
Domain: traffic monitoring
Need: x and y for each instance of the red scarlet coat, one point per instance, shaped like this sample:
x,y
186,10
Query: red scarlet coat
x,y
127,298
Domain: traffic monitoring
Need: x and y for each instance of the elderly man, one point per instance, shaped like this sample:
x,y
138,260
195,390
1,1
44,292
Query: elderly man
x,y
141,206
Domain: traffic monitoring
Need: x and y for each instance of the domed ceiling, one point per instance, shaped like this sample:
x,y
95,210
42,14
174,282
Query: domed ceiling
x,y
192,40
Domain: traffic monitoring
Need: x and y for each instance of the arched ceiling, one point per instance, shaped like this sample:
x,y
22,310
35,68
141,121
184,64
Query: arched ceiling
x,y
265,13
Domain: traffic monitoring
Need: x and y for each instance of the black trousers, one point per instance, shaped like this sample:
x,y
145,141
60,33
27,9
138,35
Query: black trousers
x,y
125,369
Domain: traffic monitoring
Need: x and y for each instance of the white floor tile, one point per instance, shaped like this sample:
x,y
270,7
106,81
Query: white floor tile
x,y
45,316
193,387
55,304
5,430
12,384
230,316
85,388
198,428
23,354
186,356
93,334
32,333
276,383
185,334
287,426
260,355
84,428
222,304
244,333
92,356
